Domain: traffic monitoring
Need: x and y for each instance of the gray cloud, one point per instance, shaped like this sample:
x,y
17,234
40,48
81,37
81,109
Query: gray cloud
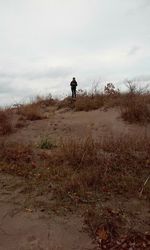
x,y
133,50
45,43
34,74
142,78
51,73
5,87
145,3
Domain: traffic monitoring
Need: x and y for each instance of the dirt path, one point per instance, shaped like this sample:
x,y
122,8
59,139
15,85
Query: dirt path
x,y
78,124
26,230
22,228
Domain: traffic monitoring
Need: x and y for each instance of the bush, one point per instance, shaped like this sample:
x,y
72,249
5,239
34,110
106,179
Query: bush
x,y
6,126
136,109
79,153
31,112
84,168
89,102
46,143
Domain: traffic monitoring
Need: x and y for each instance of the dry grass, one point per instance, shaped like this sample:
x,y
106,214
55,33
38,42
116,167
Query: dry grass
x,y
110,165
86,173
16,159
89,102
45,101
36,108
111,229
83,169
67,102
31,112
136,108
83,102
6,126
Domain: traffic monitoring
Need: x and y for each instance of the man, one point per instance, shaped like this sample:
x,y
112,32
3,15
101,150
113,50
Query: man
x,y
73,85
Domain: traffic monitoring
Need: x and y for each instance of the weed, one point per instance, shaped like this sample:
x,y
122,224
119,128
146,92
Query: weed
x,y
46,143
31,112
6,126
89,102
136,109
83,169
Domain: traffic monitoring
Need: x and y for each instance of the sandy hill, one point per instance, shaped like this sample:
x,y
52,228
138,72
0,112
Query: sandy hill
x,y
75,174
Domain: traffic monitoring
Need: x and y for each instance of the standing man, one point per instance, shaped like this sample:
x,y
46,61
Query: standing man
x,y
73,85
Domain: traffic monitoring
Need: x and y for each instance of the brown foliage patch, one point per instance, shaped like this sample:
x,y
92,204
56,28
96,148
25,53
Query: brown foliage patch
x,y
136,108
31,112
89,102
6,126
80,169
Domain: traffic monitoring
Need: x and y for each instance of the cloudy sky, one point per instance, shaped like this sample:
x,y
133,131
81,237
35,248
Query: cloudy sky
x,y
44,43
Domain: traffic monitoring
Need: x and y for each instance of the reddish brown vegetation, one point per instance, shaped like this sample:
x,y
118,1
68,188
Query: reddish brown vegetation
x,y
6,126
31,112
136,108
111,165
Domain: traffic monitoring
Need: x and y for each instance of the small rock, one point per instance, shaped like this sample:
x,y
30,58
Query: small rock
x,y
124,245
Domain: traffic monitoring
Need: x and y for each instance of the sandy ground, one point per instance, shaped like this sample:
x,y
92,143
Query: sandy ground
x,y
22,228
25,228
26,231
62,124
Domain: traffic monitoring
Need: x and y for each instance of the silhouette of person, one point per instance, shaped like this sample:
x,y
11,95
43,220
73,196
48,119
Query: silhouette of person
x,y
73,85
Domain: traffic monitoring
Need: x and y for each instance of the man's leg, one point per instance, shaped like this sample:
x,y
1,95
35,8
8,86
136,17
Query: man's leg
x,y
75,92
72,92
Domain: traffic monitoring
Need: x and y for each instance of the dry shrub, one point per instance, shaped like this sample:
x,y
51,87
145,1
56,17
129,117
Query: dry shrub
x,y
67,102
84,101
89,102
136,109
112,229
84,169
109,165
20,124
96,99
16,159
31,112
78,152
15,153
45,100
6,126
35,109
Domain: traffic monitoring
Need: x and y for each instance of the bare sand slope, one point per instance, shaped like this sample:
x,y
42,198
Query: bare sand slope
x,y
23,228
78,124
24,231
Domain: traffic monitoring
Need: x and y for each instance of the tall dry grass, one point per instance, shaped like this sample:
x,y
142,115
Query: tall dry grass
x,y
34,110
6,126
84,169
89,102
135,108
31,111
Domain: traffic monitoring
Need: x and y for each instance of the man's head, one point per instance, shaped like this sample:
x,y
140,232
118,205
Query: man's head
x,y
74,78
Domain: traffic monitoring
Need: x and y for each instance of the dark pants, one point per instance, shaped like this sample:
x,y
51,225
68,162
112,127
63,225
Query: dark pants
x,y
73,89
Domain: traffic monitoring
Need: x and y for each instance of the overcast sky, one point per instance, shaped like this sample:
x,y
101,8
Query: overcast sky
x,y
44,43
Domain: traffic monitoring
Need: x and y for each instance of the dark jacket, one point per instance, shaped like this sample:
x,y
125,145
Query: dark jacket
x,y
73,83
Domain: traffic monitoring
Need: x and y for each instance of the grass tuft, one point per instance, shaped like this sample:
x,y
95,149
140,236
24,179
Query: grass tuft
x,y
6,126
